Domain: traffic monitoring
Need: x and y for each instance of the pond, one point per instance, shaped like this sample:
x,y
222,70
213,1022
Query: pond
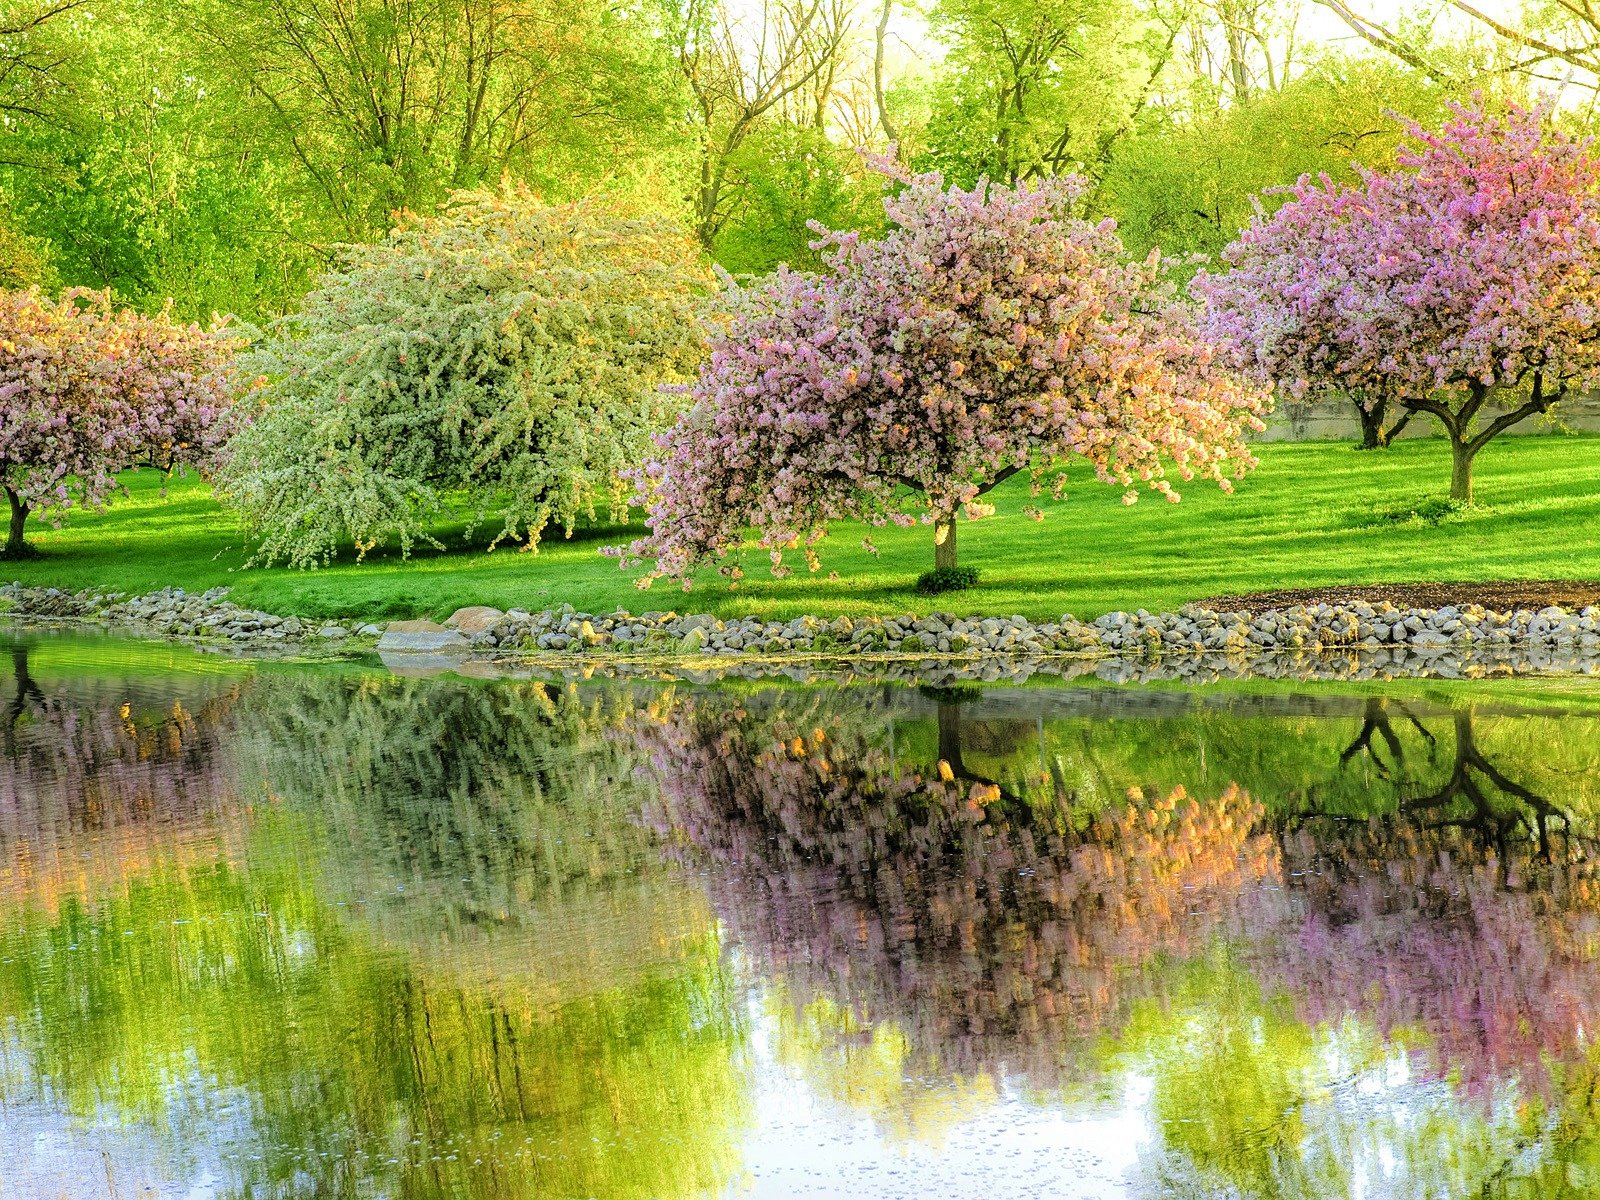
x,y
275,929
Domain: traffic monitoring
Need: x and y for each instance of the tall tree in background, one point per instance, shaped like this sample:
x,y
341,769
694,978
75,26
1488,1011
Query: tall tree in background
x,y
390,104
1032,88
37,59
1554,41
744,73
1190,183
1229,50
141,179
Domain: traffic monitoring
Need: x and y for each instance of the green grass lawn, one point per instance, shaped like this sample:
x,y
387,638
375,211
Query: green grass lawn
x,y
1312,514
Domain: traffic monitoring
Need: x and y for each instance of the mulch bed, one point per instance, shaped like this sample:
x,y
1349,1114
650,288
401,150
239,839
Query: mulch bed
x,y
1497,595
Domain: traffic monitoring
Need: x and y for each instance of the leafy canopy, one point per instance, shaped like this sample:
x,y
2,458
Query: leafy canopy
x,y
989,331
501,358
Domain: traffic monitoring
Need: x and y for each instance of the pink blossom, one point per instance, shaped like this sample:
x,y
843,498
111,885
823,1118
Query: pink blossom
x,y
991,331
86,391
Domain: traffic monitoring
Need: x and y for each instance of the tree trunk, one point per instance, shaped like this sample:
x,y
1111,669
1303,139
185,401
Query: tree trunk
x,y
1375,435
877,71
950,738
1371,426
944,543
15,545
1461,456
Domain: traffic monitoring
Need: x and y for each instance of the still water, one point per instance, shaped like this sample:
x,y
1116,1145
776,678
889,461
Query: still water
x,y
270,930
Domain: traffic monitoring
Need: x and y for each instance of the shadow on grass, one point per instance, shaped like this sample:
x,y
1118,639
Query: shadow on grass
x,y
456,544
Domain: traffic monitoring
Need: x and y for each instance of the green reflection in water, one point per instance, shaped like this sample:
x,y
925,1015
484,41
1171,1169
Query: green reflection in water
x,y
410,971
1248,1100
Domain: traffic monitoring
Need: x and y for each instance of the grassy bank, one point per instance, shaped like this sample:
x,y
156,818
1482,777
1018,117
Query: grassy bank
x,y
1313,514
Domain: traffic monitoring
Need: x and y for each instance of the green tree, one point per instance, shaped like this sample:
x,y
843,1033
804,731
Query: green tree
x,y
24,263
745,74
142,183
501,359
381,105
792,175
1036,88
1188,186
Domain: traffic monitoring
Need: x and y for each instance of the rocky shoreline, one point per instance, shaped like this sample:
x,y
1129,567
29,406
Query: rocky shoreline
x,y
1194,635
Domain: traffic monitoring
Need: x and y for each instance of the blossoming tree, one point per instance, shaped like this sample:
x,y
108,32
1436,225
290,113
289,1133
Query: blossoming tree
x,y
499,359
990,332
1465,284
86,391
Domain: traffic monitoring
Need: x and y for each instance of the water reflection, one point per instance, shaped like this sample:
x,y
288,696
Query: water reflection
x,y
295,1020
990,933
283,931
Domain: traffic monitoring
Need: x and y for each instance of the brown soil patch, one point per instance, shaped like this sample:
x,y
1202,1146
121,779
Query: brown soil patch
x,y
1502,595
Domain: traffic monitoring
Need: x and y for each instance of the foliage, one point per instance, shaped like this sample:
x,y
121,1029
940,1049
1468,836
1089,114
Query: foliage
x,y
381,106
211,151
791,175
1033,88
86,391
1470,274
946,579
148,185
989,332
24,263
1189,186
500,358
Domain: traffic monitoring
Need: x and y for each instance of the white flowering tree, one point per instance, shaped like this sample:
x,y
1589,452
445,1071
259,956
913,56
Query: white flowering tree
x,y
499,361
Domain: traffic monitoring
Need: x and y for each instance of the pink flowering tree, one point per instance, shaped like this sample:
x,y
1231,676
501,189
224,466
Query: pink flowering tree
x,y
989,332
1465,284
86,391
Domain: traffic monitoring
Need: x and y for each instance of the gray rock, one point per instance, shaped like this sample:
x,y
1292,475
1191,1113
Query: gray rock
x,y
420,637
474,620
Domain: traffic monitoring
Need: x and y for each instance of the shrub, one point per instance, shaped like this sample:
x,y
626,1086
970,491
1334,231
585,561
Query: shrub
x,y
499,360
946,579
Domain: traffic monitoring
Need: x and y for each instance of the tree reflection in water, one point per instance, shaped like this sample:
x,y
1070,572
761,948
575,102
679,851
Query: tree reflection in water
x,y
998,935
1470,911
278,1011
98,781
331,919
931,917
